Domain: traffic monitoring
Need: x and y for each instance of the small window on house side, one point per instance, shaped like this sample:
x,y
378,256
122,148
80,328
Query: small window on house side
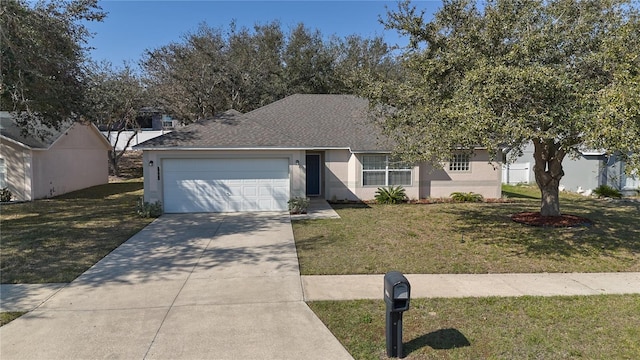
x,y
378,171
459,162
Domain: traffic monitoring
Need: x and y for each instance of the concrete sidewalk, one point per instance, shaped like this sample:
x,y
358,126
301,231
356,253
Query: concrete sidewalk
x,y
353,287
196,286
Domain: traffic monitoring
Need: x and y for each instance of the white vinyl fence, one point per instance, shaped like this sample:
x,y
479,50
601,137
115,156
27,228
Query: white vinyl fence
x,y
516,173
138,137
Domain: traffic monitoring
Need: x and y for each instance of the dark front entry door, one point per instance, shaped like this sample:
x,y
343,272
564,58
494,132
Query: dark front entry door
x,y
313,175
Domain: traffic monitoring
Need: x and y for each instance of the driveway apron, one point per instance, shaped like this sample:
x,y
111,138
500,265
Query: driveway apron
x,y
188,286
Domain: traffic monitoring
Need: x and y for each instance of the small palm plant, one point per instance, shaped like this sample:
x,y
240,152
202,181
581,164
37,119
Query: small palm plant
x,y
391,195
466,197
607,191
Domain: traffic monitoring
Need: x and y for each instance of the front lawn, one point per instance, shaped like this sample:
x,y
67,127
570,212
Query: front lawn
x,y
470,238
55,240
585,327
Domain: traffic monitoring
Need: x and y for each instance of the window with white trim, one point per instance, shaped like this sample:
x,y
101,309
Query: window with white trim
x,y
460,162
377,170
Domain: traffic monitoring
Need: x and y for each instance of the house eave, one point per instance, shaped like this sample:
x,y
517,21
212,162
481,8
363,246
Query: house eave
x,y
248,148
16,142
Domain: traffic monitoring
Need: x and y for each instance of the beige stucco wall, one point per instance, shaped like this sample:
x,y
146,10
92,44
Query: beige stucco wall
x,y
77,160
17,164
341,174
153,188
344,178
483,178
339,177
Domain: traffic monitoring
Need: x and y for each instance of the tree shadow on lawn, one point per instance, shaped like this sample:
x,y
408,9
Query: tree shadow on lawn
x,y
514,195
315,242
349,205
104,190
443,339
611,231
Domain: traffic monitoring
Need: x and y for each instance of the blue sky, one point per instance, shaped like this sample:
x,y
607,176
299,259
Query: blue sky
x,y
131,27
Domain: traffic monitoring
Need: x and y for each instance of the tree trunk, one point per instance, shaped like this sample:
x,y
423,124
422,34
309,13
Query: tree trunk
x,y
115,166
548,171
114,154
550,199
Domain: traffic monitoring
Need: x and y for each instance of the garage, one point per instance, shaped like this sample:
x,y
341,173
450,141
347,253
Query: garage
x,y
225,185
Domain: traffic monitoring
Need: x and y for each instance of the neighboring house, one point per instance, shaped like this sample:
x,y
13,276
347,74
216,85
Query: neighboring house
x,y
303,145
583,174
119,139
52,162
152,125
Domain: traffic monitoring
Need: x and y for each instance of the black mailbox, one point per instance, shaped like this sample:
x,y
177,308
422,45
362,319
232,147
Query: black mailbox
x,y
397,291
397,295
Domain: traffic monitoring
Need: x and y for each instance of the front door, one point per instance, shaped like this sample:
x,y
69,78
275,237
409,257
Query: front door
x,y
313,175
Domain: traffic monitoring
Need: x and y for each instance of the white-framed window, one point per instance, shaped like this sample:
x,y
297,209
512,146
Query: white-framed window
x,y
377,170
167,122
460,162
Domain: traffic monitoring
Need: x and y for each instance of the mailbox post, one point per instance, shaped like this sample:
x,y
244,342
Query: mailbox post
x,y
397,294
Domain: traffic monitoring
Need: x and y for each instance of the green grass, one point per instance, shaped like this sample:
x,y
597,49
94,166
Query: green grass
x,y
470,238
7,317
586,327
55,240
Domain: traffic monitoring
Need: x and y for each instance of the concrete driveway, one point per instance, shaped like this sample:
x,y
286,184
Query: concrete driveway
x,y
196,286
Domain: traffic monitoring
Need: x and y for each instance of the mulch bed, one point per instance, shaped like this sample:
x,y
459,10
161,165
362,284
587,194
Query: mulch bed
x,y
535,219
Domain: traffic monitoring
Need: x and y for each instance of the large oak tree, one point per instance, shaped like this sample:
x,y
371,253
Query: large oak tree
x,y
43,51
562,74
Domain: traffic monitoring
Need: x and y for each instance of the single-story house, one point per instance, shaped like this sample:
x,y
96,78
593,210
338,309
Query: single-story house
x,y
52,162
301,146
582,174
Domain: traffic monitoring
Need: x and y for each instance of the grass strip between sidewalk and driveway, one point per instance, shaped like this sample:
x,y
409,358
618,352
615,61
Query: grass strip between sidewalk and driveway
x,y
471,238
8,316
586,327
55,240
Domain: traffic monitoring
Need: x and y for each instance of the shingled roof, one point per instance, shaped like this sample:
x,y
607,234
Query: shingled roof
x,y
41,138
297,121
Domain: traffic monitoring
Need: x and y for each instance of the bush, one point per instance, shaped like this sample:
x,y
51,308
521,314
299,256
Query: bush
x,y
466,197
148,210
5,195
391,195
298,205
607,191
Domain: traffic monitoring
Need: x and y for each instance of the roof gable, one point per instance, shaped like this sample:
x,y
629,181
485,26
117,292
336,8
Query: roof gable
x,y
297,121
43,137
228,130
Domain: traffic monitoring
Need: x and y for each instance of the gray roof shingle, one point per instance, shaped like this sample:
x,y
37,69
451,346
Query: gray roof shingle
x,y
297,121
43,137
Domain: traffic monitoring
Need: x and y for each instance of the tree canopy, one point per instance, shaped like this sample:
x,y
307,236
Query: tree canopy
x,y
43,50
562,74
212,70
114,99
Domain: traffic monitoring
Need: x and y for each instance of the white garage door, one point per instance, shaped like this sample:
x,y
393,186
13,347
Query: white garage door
x,y
225,185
